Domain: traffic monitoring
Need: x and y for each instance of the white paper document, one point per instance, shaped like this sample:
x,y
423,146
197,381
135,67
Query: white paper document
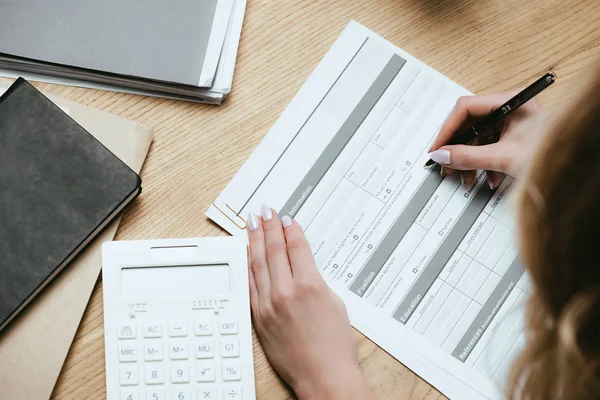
x,y
427,267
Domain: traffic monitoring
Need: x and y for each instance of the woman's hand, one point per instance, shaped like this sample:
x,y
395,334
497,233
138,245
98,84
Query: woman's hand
x,y
302,325
519,135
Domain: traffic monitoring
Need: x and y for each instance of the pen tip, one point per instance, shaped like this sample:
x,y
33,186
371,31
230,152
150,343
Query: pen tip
x,y
429,163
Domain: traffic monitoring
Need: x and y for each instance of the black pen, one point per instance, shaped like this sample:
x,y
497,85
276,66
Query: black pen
x,y
480,128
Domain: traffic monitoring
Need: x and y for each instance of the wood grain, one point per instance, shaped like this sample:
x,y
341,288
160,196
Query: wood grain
x,y
484,45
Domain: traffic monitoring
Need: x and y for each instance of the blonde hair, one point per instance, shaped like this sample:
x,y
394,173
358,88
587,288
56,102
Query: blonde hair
x,y
559,233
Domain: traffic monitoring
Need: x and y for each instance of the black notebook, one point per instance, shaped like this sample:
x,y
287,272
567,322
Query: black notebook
x,y
59,187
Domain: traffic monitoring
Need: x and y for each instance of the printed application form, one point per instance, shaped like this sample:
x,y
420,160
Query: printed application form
x,y
428,268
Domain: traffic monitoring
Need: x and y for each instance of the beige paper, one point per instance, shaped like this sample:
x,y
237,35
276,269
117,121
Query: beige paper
x,y
34,347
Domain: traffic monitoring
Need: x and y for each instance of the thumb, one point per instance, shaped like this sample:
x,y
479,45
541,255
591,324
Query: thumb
x,y
463,157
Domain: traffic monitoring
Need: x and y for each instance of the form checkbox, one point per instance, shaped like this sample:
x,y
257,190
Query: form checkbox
x,y
350,275
335,266
441,233
467,195
415,270
370,246
355,237
408,163
388,191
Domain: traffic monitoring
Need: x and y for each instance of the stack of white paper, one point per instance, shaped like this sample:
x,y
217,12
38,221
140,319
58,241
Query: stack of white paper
x,y
428,267
185,49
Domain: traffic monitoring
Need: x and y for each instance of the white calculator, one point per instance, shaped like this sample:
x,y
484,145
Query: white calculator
x,y
177,320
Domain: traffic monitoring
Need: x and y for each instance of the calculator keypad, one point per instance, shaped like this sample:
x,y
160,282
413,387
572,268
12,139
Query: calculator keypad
x,y
127,395
128,375
203,328
177,328
127,352
181,394
178,360
206,371
232,371
205,348
179,349
153,350
230,348
228,327
126,331
155,395
180,373
232,392
207,392
155,374
152,330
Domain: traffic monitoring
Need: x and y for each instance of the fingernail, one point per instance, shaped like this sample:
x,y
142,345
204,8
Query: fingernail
x,y
490,183
462,179
440,156
286,221
443,172
252,221
266,212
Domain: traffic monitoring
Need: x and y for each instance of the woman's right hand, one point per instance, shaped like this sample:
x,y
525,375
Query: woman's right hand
x,y
519,135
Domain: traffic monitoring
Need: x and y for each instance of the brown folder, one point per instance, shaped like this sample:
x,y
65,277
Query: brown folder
x,y
34,347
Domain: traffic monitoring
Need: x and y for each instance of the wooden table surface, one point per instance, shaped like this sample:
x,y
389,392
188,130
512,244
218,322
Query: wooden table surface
x,y
484,45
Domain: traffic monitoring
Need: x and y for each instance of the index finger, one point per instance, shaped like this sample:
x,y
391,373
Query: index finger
x,y
466,111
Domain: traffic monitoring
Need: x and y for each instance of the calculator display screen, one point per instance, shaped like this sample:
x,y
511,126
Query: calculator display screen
x,y
173,282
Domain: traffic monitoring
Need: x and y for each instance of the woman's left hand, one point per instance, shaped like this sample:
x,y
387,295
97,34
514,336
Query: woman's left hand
x,y
302,325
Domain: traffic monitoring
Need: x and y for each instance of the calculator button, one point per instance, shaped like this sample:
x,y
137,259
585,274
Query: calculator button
x,y
127,352
230,348
127,395
180,373
205,371
179,350
153,350
154,374
232,371
205,348
155,395
228,327
152,330
232,393
128,375
207,393
126,331
181,394
203,328
177,328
